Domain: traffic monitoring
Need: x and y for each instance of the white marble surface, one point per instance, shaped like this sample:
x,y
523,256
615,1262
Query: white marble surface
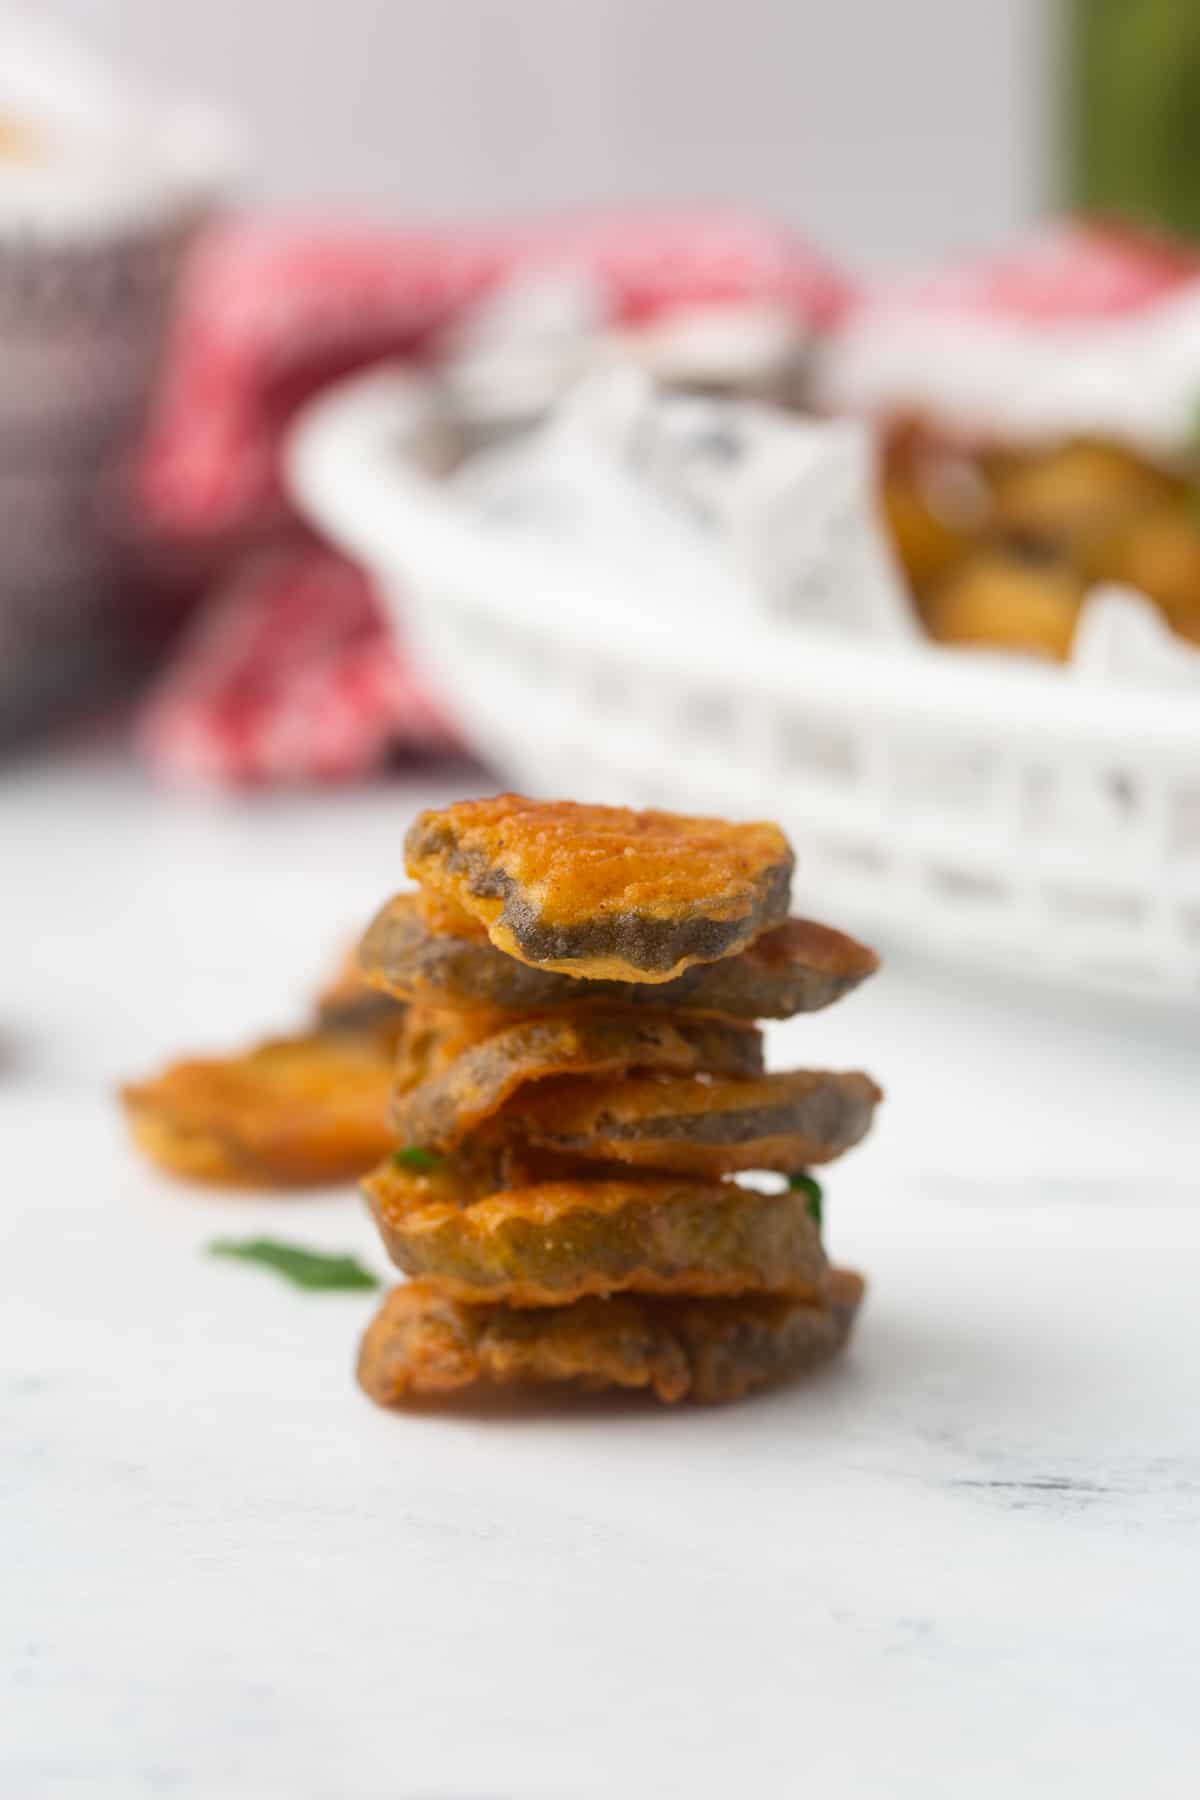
x,y
964,1562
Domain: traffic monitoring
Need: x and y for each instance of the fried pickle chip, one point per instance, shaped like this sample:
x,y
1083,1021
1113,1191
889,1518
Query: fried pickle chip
x,y
1158,554
296,1111
556,1242
602,891
1071,493
423,1346
471,1086
928,540
797,967
1020,596
694,1125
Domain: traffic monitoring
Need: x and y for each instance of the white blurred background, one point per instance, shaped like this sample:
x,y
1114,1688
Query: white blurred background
x,y
886,131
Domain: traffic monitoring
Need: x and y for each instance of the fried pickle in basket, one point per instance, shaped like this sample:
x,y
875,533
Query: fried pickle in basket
x,y
471,1086
421,1345
1158,554
697,1126
602,891
934,500
796,967
295,1111
1069,494
555,1242
1019,595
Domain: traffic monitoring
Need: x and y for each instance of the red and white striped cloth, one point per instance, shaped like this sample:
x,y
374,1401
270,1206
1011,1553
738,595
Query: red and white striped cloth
x,y
1070,271
289,673
1081,328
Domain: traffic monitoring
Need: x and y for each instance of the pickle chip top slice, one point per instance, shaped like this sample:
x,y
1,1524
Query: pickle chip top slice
x,y
603,892
422,1346
799,966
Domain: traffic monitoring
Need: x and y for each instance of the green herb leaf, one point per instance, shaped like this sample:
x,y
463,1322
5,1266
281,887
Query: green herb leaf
x,y
804,1183
305,1268
413,1157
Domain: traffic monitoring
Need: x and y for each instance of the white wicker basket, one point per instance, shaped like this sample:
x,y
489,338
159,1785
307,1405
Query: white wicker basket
x,y
994,812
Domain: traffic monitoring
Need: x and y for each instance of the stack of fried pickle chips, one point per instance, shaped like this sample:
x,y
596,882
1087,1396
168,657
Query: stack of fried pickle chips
x,y
583,1113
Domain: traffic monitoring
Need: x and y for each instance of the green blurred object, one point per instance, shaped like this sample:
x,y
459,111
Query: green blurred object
x,y
304,1268
1134,111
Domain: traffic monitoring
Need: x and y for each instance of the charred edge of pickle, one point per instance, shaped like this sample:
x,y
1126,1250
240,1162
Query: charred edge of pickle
x,y
424,1347
797,967
449,1101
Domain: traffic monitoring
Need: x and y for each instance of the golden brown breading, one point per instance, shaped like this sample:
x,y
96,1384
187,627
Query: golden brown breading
x,y
423,1346
462,1091
796,967
602,891
549,1244
697,1126
296,1111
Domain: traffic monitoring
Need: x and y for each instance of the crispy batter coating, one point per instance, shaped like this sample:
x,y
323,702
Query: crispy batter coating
x,y
470,1087
602,891
797,967
556,1242
423,1346
295,1111
1009,597
699,1126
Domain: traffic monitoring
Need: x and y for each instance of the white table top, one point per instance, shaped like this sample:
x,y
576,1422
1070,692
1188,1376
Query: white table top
x,y
964,1561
